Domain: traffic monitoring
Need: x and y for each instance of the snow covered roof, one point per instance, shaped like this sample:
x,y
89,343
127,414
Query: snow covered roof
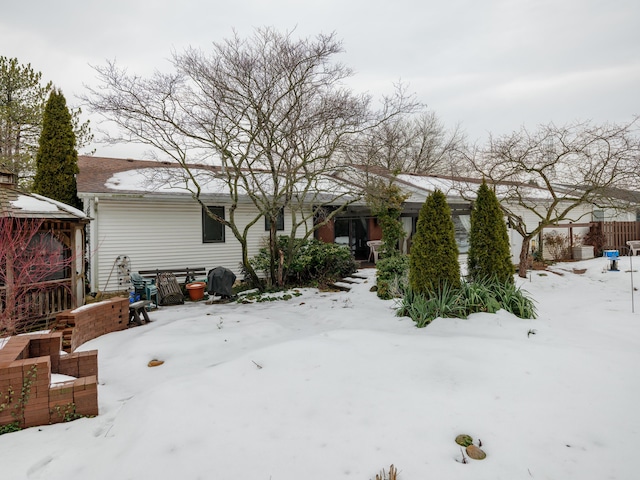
x,y
113,176
116,175
18,204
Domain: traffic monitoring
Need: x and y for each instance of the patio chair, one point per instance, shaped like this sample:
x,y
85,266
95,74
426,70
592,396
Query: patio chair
x,y
374,245
634,246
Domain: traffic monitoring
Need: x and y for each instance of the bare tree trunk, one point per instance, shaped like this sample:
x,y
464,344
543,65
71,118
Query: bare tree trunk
x,y
524,257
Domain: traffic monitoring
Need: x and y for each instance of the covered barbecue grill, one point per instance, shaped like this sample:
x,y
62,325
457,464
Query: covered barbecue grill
x,y
220,282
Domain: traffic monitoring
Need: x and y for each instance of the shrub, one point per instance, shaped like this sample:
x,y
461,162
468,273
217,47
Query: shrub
x,y
313,262
489,252
434,253
558,245
386,205
596,238
392,276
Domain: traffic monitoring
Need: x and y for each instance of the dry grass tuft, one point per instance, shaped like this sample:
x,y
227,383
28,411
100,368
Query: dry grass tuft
x,y
393,474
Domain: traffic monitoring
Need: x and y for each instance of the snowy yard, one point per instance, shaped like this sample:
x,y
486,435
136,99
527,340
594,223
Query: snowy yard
x,y
334,386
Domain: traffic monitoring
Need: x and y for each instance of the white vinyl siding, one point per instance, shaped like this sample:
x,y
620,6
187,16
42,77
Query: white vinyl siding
x,y
580,214
159,233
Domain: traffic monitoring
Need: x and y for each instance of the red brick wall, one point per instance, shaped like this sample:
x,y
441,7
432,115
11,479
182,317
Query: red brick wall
x,y
91,321
375,231
326,233
28,361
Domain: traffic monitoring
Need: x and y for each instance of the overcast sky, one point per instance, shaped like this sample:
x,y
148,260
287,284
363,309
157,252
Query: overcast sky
x,y
490,65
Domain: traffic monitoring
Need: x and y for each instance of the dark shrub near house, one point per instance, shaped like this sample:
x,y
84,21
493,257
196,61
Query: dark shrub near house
x,y
315,263
392,276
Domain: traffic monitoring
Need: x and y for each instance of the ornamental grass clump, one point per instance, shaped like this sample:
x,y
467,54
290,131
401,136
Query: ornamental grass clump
x,y
459,302
446,302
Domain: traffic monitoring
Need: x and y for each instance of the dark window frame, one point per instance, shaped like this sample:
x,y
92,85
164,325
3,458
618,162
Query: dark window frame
x,y
209,225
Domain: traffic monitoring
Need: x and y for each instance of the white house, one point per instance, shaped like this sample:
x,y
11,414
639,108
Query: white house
x,y
461,192
141,210
143,213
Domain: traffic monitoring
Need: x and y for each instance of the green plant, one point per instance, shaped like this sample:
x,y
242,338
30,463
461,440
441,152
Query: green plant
x,y
67,412
386,203
392,276
57,157
6,399
515,300
259,297
10,427
487,295
479,297
18,408
489,251
314,263
490,295
434,253
446,302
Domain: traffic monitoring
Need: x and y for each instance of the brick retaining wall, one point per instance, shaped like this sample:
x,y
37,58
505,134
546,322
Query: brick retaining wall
x,y
91,321
26,365
27,362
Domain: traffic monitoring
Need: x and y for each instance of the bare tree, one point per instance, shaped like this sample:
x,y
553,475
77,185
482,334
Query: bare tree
x,y
271,111
413,144
32,263
551,172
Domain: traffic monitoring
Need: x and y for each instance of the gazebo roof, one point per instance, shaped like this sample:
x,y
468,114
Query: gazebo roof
x,y
18,204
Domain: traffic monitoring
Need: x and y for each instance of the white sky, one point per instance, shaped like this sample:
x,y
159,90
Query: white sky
x,y
346,388
491,66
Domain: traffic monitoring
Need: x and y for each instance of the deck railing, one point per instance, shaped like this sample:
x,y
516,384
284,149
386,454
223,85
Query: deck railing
x,y
38,304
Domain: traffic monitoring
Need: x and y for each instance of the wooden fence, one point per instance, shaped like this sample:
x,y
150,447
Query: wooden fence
x,y
617,234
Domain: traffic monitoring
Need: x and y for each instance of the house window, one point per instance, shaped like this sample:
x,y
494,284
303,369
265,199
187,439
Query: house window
x,y
212,230
279,221
598,215
46,258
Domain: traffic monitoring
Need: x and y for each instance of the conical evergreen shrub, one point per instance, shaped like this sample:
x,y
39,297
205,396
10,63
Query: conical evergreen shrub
x,y
434,253
57,158
489,255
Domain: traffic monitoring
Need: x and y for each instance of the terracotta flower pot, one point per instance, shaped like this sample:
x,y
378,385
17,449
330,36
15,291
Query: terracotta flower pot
x,y
196,290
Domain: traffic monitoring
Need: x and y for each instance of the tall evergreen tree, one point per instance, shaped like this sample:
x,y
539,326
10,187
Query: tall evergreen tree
x,y
57,157
489,253
434,253
22,101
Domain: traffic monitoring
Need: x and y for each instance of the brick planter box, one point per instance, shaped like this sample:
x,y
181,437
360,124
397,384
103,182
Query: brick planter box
x,y
26,365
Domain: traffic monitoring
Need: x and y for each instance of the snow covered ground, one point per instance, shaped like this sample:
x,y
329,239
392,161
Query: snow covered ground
x,y
334,386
